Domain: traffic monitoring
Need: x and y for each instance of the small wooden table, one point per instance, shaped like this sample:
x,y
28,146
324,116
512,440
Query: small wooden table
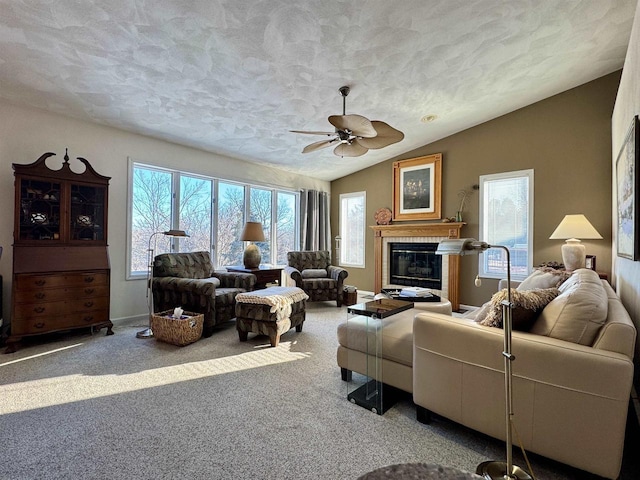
x,y
264,274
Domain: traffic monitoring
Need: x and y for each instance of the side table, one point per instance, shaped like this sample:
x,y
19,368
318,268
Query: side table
x,y
264,274
372,394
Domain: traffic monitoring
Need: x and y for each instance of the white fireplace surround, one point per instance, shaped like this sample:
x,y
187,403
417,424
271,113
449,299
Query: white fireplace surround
x,y
385,262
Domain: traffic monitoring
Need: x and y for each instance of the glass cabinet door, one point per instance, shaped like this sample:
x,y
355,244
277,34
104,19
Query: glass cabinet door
x,y
39,210
87,213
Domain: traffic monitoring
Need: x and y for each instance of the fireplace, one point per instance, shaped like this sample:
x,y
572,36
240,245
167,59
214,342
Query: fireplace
x,y
417,233
415,265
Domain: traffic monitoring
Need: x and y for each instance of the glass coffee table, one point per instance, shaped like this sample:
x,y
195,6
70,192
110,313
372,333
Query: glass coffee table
x,y
367,390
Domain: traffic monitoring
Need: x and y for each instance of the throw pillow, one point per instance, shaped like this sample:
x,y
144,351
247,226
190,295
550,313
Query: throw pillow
x,y
544,278
314,273
526,307
577,314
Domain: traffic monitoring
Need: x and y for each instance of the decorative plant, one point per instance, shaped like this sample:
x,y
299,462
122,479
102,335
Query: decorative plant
x,y
463,195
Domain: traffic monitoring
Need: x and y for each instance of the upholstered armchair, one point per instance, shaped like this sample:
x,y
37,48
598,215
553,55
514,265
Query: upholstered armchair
x,y
187,280
312,272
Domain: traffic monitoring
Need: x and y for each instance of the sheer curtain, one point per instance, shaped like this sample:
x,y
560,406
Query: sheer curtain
x,y
315,229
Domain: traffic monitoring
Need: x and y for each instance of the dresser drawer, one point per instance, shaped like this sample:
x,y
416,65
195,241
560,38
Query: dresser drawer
x,y
85,319
37,310
41,295
81,279
87,304
89,291
30,282
36,325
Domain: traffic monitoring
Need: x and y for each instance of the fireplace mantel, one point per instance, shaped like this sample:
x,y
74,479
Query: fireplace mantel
x,y
439,230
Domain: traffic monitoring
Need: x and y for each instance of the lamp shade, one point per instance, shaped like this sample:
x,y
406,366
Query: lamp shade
x,y
575,226
572,228
461,246
252,232
175,233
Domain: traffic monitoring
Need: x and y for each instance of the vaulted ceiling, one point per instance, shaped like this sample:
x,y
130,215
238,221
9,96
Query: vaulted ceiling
x,y
234,76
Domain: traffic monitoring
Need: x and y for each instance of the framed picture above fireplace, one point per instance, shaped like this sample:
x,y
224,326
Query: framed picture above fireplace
x,y
417,188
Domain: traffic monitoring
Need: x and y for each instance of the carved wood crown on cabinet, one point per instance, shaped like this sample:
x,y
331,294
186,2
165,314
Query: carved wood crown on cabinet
x,y
61,272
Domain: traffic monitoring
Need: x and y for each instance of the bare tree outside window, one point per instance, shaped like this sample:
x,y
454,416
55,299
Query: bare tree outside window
x,y
195,214
151,213
230,223
285,226
154,209
260,211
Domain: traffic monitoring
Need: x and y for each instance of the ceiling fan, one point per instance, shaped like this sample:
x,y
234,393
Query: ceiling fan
x,y
354,135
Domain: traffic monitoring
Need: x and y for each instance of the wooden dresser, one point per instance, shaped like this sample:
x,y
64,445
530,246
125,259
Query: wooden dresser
x,y
61,272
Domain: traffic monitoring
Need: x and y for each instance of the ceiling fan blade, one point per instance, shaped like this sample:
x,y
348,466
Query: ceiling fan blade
x,y
354,149
387,135
318,145
312,132
357,124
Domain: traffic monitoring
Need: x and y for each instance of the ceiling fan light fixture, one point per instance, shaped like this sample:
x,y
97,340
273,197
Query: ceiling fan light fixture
x,y
356,134
429,118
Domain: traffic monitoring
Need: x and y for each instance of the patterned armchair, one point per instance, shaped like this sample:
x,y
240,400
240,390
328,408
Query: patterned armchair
x,y
312,272
187,280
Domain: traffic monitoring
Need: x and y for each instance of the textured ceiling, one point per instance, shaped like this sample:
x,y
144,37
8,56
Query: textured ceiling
x,y
234,76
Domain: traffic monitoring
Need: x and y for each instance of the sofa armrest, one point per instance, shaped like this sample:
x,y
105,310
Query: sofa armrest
x,y
537,358
245,281
294,274
198,286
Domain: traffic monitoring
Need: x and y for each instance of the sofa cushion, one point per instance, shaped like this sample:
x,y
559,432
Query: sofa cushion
x,y
582,275
577,313
314,273
544,278
527,305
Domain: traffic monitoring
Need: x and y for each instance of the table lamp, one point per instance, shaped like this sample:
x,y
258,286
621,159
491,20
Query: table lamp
x,y
571,228
252,232
147,332
493,470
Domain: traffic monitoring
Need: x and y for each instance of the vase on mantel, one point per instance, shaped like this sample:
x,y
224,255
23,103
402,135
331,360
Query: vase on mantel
x,y
458,216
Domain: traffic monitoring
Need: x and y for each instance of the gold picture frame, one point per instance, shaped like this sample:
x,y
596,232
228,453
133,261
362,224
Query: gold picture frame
x,y
417,188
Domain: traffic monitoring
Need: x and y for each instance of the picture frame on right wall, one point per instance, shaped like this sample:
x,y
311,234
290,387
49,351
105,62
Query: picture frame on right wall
x,y
627,182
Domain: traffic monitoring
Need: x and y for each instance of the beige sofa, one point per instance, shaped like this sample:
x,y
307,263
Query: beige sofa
x,y
570,399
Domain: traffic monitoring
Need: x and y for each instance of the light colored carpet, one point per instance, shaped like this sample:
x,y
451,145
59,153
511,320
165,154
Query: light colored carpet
x,y
80,406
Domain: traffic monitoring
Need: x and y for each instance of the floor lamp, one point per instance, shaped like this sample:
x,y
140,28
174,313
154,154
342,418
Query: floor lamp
x,y
494,470
147,332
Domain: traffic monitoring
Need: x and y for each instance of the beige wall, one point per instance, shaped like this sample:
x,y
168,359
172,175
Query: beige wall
x,y
566,139
627,272
25,134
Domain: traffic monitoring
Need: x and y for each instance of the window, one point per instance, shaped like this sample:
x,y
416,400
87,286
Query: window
x,y
211,211
352,229
230,205
285,234
506,218
150,213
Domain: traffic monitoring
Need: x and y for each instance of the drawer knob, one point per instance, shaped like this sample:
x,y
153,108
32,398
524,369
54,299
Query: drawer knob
x,y
39,325
88,279
39,309
88,318
89,291
40,282
40,295
88,304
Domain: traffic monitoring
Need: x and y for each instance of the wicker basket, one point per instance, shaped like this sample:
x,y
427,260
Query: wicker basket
x,y
179,332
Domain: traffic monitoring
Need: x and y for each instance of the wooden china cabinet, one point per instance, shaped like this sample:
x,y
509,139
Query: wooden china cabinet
x,y
61,273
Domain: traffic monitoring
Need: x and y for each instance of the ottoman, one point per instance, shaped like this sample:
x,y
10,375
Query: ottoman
x,y
270,311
